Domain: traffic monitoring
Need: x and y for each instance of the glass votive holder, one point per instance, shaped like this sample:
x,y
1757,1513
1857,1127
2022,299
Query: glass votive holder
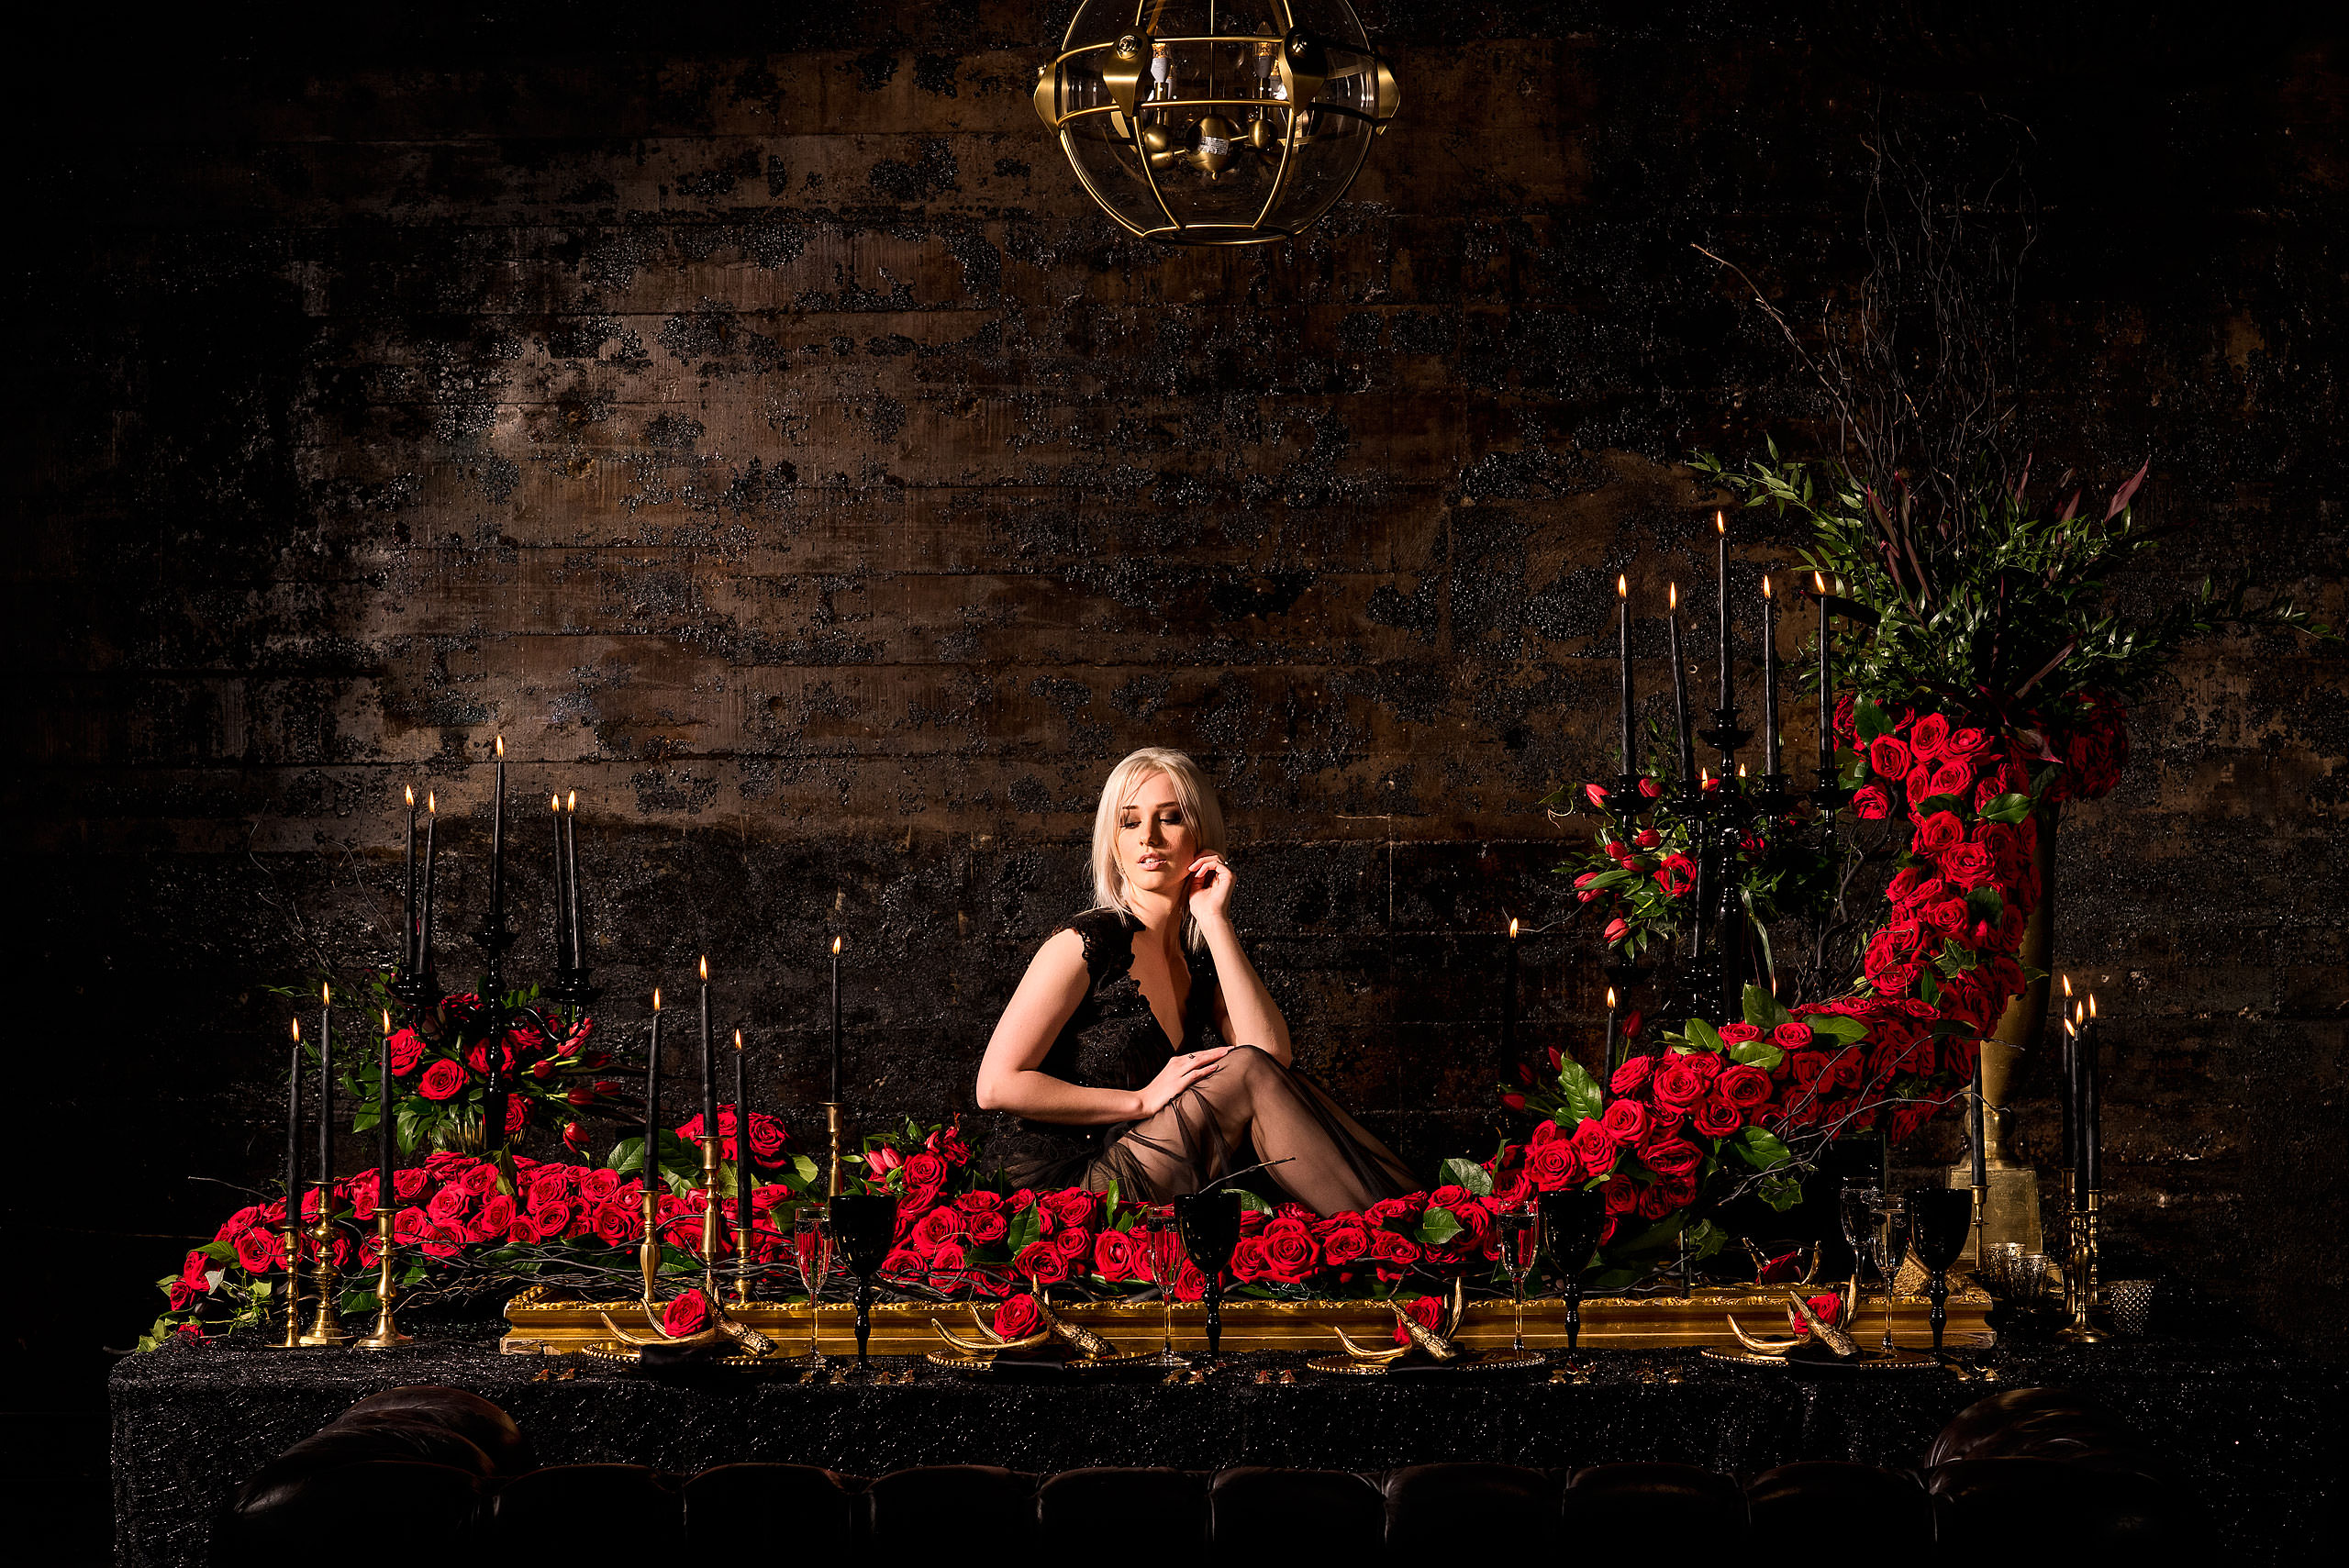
x,y
2131,1302
1998,1269
2028,1282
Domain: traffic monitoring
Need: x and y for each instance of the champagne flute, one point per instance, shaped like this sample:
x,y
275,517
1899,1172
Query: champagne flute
x,y
1939,1218
1163,1259
1520,1237
811,1250
1855,1208
1888,1242
865,1226
1209,1226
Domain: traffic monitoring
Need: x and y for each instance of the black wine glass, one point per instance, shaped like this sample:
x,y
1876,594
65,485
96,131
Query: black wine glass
x,y
1571,1221
1939,1218
1209,1226
866,1226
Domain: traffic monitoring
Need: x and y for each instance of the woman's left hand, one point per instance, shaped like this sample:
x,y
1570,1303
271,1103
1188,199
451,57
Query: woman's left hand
x,y
1208,884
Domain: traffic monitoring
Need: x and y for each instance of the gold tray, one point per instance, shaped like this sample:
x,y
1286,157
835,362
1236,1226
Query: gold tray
x,y
541,1324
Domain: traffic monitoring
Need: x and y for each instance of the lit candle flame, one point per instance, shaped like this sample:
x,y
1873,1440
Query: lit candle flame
x,y
1610,999
1818,581
1703,775
1765,585
1720,526
656,998
2067,986
1741,770
501,746
2068,1029
387,1020
326,996
704,967
411,797
570,801
555,802
1672,595
2091,1004
738,1039
298,1032
1622,588
1512,931
836,947
432,804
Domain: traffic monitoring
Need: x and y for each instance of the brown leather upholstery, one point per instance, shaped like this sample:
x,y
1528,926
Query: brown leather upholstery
x,y
471,1417
1444,1510
1297,1515
1622,1509
739,1507
431,1509
977,1502
1797,1508
1140,1516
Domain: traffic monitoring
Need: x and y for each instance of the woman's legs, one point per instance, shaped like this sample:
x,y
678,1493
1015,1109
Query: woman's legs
x,y
1326,1160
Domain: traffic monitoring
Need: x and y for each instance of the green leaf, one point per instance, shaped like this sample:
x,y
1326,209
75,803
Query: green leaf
x,y
1583,1098
1249,1200
1705,1238
1928,988
1468,1174
1781,1193
803,1167
1762,1010
1025,1229
1702,1036
1763,1053
1870,719
1761,1148
2006,808
1438,1226
1837,1027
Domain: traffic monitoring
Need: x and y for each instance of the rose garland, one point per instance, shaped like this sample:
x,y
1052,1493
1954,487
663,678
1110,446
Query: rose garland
x,y
1711,1110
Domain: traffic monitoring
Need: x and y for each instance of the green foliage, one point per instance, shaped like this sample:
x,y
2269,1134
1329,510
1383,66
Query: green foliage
x,y
1467,1173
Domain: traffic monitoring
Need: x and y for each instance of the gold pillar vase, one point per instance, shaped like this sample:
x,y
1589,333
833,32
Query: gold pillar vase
x,y
2010,1196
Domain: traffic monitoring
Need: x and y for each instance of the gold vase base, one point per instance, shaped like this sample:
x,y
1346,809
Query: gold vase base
x,y
2082,1333
386,1337
315,1340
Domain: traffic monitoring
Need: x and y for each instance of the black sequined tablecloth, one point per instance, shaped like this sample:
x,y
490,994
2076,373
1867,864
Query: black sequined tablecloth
x,y
2257,1431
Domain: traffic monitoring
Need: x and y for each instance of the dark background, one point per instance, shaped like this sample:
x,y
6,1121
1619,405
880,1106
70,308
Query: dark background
x,y
745,412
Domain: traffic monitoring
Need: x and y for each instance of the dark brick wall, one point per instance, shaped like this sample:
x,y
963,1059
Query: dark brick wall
x,y
750,418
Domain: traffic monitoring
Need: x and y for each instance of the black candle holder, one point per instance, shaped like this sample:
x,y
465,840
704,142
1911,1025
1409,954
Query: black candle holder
x,y
1623,796
1726,737
1771,796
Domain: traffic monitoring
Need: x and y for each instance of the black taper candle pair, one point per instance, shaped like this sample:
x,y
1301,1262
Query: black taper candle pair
x,y
570,947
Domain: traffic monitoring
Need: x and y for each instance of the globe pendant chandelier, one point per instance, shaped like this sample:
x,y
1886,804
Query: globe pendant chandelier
x,y
1216,122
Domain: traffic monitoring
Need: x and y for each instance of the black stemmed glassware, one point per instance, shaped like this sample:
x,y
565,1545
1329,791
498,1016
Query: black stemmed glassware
x,y
1939,1218
865,1226
1571,1221
1209,1226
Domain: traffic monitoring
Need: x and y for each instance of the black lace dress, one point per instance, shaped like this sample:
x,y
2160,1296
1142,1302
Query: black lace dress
x,y
1114,1040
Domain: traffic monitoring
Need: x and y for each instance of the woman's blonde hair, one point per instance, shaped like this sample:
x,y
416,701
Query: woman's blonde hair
x,y
1192,790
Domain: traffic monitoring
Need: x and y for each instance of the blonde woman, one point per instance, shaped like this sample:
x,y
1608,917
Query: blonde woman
x,y
1113,1053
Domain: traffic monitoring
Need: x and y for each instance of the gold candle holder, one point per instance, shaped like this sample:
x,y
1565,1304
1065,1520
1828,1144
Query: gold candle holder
x,y
712,1218
2082,1330
741,1267
290,1239
2071,1239
832,1122
387,1335
648,1251
325,1329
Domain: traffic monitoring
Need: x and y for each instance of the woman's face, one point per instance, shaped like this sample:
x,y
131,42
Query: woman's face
x,y
1156,846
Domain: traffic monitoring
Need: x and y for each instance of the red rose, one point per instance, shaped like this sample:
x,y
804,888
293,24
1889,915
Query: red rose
x,y
768,1138
1870,803
1069,1206
1936,834
440,1080
1041,1261
926,1172
1968,865
1714,1116
1344,1241
1918,785
1647,838
408,1049
1929,737
518,1115
1248,1263
1968,745
1676,875
1620,1195
1552,1166
616,1224
1952,777
600,1185
1827,1306
946,1143
1426,1311
478,1058
1912,885
257,1252
1950,916
1738,1033
1673,1156
1017,1318
1594,1146
1745,1086
938,1225
1625,1121
1651,789
1677,1082
1889,757
1653,1203
1633,1073
1792,1035
1289,1251
686,1316
1395,1255
1073,1242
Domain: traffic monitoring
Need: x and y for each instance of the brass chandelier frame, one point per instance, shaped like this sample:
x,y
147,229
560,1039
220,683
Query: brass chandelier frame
x,y
1302,63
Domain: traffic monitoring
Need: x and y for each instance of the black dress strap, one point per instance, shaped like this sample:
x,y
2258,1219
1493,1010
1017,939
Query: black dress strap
x,y
1108,936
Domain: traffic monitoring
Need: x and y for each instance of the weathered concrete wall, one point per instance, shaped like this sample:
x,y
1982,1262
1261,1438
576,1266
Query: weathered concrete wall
x,y
770,439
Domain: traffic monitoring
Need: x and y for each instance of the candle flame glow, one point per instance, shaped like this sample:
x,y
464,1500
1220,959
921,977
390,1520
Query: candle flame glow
x,y
1610,999
1512,931
501,747
2091,1004
656,998
1672,595
411,797
2068,1029
554,802
1765,584
1622,588
1818,581
2067,986
738,1039
432,804
326,994
1741,770
704,967
570,801
387,1020
836,947
298,1032
1720,526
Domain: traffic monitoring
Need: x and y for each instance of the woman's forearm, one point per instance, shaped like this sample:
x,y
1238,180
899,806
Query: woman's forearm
x,y
1039,1096
1254,1020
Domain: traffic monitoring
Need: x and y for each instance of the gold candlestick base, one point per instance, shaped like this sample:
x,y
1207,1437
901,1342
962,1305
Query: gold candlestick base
x,y
741,1267
832,1122
712,1212
387,1335
290,1239
2085,1296
648,1251
326,1331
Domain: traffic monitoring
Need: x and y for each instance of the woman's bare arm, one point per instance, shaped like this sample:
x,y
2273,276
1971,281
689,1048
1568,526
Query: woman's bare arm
x,y
1244,1011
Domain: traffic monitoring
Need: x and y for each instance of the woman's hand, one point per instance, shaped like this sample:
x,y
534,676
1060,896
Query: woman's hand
x,y
1208,887
1179,1073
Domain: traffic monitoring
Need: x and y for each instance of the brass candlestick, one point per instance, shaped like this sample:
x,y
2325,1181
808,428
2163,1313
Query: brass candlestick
x,y
832,1121
2082,1330
290,1239
741,1267
326,1327
387,1335
2071,1254
648,1252
711,1218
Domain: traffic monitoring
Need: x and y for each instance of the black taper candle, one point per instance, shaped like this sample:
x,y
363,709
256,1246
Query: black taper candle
x,y
293,1132
2068,1070
1720,527
326,1096
653,1102
742,1144
1826,689
562,905
571,876
408,929
498,843
386,1191
1975,1124
709,1061
1769,679
1680,690
2092,1098
1607,1059
1508,1000
836,1020
1623,653
2077,1088
431,868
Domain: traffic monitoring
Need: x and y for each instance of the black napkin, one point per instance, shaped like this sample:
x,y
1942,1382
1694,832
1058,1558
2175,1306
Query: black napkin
x,y
1044,1362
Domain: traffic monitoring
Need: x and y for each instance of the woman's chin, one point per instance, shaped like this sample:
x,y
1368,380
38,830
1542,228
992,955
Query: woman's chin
x,y
1164,882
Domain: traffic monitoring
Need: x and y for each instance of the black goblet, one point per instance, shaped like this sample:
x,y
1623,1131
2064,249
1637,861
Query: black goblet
x,y
1209,1226
1939,1219
866,1226
1571,1221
